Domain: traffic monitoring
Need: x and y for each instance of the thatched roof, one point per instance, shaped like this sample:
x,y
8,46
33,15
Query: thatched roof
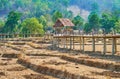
x,y
63,22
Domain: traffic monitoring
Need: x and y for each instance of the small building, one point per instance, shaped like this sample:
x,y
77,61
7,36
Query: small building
x,y
63,26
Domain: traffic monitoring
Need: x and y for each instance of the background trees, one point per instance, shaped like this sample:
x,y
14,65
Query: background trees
x,y
12,21
107,22
56,15
103,14
93,23
31,25
117,26
78,21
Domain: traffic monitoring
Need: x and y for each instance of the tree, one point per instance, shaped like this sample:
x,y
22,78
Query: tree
x,y
1,25
87,28
78,21
68,14
117,26
93,20
43,21
12,21
56,15
31,25
107,22
95,7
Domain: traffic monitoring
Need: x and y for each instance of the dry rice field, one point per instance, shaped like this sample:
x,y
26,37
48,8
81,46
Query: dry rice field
x,y
36,60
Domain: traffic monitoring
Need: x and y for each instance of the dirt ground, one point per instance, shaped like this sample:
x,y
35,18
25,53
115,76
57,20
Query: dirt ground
x,y
11,69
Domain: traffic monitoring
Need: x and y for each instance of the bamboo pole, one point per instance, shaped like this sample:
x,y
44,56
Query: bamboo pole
x,y
93,44
58,42
83,43
66,43
104,46
70,42
73,42
114,46
80,42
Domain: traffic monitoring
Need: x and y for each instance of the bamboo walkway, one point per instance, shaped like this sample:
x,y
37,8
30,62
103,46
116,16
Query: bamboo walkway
x,y
70,41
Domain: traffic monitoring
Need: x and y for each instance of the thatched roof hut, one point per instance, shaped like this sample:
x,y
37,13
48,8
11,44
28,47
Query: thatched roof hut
x,y
63,22
63,25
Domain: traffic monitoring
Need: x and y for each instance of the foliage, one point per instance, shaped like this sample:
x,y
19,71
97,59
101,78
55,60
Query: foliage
x,y
107,22
31,25
117,26
12,21
78,21
1,25
43,21
68,14
87,28
93,20
95,7
48,11
56,15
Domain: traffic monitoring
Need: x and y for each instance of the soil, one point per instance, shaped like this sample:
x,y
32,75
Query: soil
x,y
11,69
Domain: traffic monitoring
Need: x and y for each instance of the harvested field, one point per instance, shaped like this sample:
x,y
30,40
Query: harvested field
x,y
37,61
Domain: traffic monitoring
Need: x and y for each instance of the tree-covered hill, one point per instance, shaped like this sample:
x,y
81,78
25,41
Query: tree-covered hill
x,y
36,8
16,15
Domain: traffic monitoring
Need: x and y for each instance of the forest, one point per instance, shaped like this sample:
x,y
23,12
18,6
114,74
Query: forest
x,y
39,16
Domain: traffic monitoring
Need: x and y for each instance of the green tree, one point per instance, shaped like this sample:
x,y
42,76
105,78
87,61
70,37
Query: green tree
x,y
93,20
49,20
117,26
78,21
87,28
56,15
12,21
31,25
1,25
107,22
95,7
43,21
68,14
5,4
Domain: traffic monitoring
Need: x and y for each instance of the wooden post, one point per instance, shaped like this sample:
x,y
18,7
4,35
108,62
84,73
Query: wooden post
x,y
93,44
70,43
66,42
8,36
52,42
113,46
83,43
0,36
80,43
63,43
104,46
73,43
58,42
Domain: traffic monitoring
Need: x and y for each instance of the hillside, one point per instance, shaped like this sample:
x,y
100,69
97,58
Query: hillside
x,y
38,7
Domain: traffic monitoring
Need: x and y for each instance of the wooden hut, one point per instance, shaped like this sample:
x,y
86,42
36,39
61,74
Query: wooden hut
x,y
63,25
